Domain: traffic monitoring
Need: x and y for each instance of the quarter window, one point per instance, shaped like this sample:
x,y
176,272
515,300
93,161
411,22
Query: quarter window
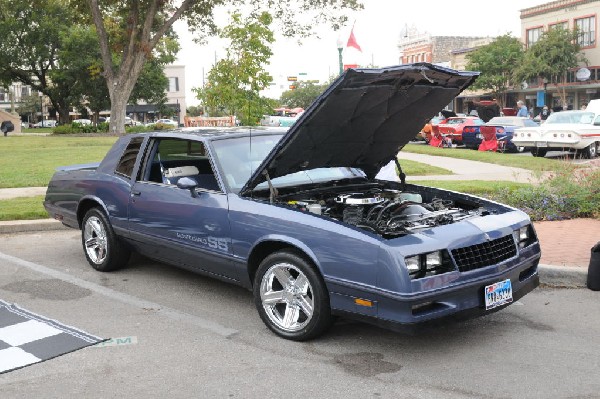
x,y
127,161
586,31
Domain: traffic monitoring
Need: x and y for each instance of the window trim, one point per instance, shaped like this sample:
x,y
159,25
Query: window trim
x,y
595,31
533,28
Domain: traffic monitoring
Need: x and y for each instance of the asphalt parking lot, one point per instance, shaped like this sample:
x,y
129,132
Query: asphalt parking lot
x,y
177,334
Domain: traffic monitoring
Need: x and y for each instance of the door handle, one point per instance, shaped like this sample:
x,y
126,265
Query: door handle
x,y
136,193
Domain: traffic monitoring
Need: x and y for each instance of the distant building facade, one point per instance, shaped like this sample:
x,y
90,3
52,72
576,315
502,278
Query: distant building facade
x,y
582,83
175,93
448,51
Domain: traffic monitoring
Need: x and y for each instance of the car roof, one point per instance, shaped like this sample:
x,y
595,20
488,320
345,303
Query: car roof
x,y
215,133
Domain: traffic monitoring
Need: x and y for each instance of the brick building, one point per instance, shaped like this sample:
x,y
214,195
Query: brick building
x,y
449,51
582,83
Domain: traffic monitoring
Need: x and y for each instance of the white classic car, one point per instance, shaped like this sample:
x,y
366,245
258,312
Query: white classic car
x,y
566,130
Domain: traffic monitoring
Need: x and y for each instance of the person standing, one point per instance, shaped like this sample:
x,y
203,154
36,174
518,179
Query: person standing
x,y
544,113
522,109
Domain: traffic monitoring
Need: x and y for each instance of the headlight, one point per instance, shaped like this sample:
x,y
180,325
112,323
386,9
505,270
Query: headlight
x,y
433,260
428,264
413,264
524,236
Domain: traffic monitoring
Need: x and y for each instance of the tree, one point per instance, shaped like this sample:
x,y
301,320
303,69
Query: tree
x,y
130,30
195,110
30,34
234,83
496,61
303,95
81,69
551,57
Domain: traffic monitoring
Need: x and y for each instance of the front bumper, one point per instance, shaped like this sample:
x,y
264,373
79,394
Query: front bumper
x,y
461,302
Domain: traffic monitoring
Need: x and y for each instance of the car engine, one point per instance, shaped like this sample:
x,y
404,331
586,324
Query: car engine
x,y
386,212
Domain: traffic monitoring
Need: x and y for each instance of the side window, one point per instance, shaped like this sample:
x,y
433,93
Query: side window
x,y
127,161
172,159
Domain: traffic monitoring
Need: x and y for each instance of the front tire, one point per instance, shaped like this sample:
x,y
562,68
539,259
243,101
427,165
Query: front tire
x,y
102,249
291,297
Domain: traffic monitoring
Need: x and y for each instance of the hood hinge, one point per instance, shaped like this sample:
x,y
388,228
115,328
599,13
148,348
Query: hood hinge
x,y
401,174
273,191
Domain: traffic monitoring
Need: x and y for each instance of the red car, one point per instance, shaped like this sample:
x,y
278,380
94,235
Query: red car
x,y
433,123
453,128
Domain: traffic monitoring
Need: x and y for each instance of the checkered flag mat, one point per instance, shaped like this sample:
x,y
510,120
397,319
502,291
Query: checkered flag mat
x,y
27,338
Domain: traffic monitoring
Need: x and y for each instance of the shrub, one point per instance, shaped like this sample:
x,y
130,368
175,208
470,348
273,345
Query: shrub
x,y
78,128
569,193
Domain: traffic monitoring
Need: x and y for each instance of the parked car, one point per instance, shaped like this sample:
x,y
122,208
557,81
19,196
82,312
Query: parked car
x,y
46,123
300,217
453,128
168,122
84,122
128,121
433,123
577,131
504,128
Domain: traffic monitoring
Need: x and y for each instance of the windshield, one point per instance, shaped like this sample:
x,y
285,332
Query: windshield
x,y
580,117
239,157
456,121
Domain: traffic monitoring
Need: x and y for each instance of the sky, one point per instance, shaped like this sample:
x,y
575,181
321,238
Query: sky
x,y
377,29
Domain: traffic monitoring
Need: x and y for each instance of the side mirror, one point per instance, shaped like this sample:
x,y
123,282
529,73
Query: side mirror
x,y
187,183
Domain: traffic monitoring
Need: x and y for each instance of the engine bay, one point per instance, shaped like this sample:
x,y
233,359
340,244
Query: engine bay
x,y
384,211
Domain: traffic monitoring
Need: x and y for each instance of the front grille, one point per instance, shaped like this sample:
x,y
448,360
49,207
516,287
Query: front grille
x,y
485,254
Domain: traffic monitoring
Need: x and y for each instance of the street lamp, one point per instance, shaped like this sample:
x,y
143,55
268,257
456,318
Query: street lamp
x,y
340,47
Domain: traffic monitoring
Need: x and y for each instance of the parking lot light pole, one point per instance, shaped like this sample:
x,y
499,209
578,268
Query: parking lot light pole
x,y
340,47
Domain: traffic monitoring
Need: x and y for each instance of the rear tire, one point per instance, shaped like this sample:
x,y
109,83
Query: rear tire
x,y
539,152
291,297
590,152
102,248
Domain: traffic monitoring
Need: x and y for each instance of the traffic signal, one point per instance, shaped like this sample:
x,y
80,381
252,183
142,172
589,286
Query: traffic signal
x,y
292,87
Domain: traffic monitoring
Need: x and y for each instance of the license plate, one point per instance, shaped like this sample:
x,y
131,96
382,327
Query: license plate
x,y
541,144
498,294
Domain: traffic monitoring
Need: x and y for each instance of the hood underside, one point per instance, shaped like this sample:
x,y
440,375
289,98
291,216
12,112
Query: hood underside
x,y
363,119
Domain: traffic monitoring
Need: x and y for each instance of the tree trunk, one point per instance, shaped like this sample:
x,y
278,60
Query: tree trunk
x,y
119,89
118,107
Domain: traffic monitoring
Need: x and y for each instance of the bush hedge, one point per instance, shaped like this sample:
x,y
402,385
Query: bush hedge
x,y
569,193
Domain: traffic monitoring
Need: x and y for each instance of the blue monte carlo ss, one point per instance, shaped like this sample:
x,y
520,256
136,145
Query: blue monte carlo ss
x,y
300,217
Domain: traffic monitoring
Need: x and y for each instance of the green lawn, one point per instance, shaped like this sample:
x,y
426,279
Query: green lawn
x,y
506,159
476,187
25,208
30,161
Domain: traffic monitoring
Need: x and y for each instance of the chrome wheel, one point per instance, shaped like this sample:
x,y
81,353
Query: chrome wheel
x,y
94,237
287,297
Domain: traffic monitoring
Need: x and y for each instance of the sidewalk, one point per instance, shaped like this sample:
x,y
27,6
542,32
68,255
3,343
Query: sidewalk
x,y
469,170
566,244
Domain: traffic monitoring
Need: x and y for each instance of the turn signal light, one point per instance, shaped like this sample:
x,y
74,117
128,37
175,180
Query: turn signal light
x,y
363,302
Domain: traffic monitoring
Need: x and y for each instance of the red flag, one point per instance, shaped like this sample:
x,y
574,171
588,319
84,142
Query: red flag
x,y
352,41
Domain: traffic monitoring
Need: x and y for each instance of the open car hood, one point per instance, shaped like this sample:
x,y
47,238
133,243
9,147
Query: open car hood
x,y
363,119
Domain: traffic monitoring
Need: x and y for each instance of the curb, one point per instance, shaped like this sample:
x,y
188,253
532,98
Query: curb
x,y
552,276
563,276
24,226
